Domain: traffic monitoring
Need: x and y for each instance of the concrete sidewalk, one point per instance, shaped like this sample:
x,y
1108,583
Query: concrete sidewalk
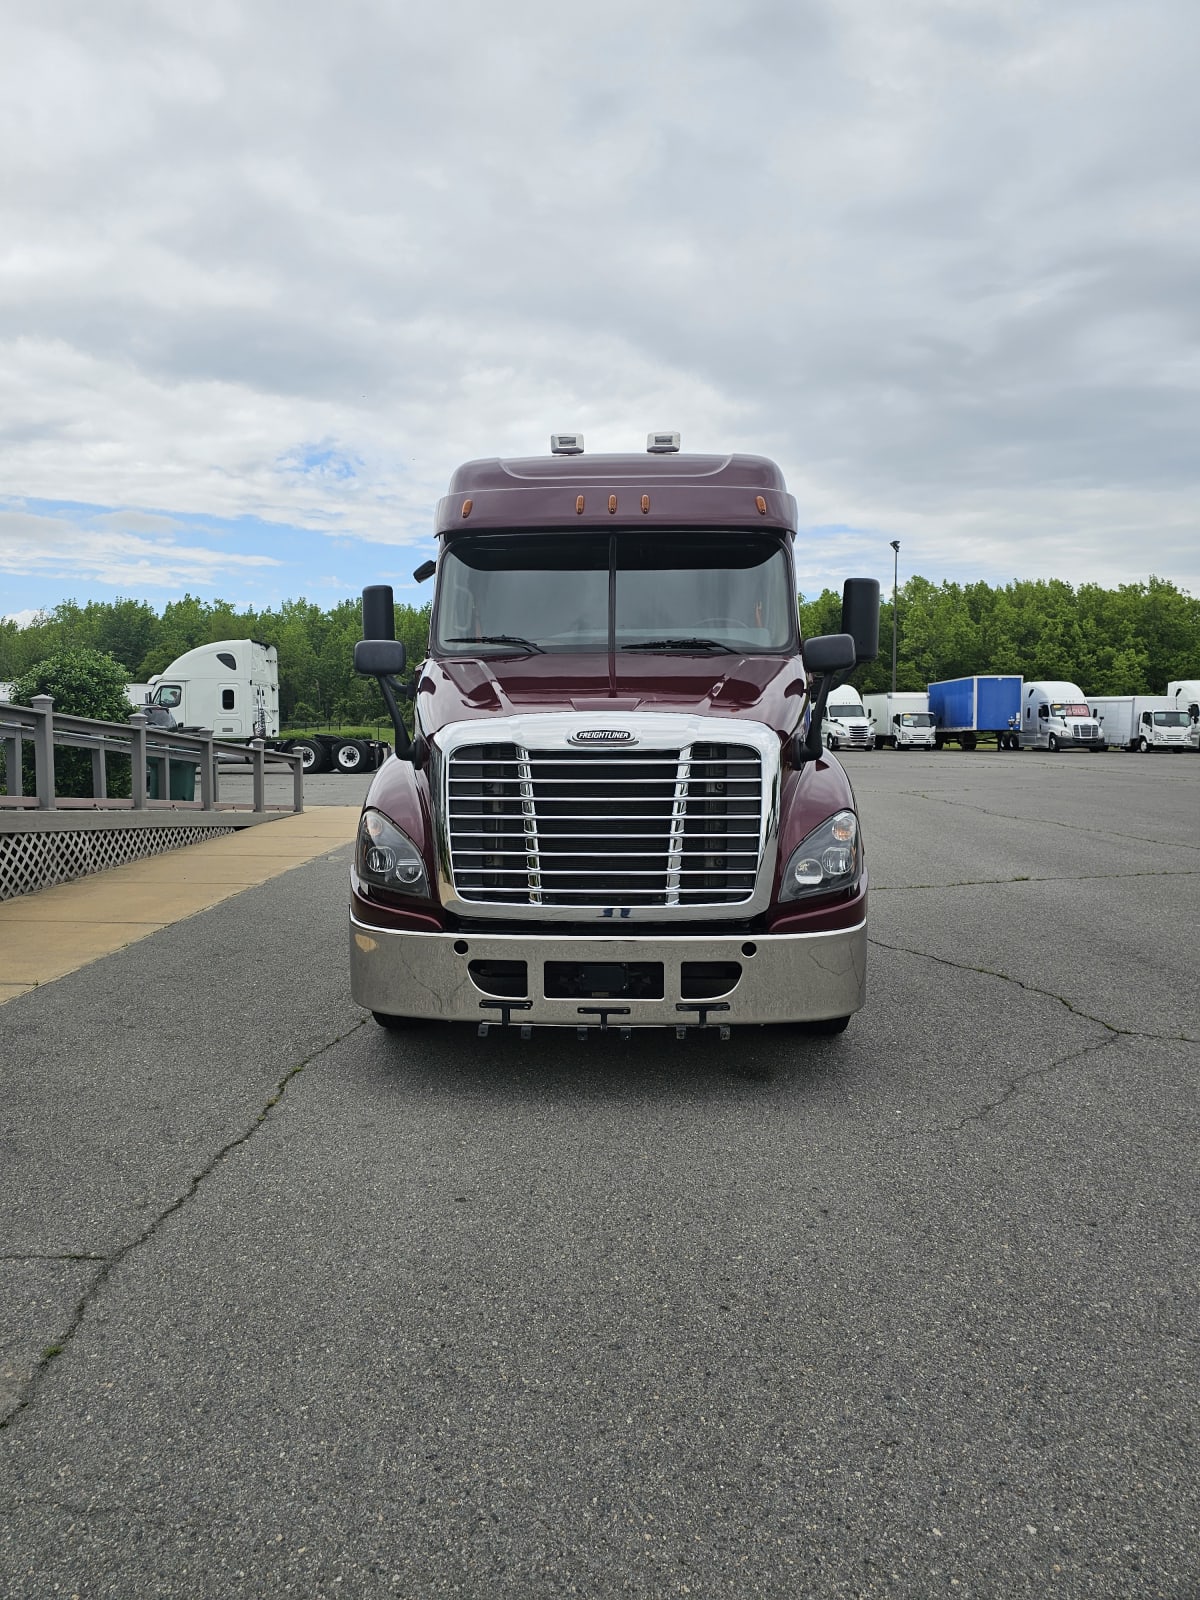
x,y
55,931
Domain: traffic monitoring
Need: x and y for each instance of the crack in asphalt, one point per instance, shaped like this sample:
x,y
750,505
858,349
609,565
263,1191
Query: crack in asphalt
x,y
1016,1085
1045,822
111,1262
1027,877
1033,988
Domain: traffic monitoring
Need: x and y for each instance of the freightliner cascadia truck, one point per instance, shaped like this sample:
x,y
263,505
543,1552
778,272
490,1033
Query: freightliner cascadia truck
x,y
615,810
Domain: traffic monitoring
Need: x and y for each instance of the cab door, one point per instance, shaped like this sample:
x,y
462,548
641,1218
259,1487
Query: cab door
x,y
230,712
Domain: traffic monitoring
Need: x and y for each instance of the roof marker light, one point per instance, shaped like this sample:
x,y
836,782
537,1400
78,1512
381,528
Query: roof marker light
x,y
468,507
761,504
566,444
662,444
578,505
645,504
612,504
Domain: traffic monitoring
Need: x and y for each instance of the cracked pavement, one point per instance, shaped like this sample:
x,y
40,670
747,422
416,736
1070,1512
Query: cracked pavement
x,y
291,1306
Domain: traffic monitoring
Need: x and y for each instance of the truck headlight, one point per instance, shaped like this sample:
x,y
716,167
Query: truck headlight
x,y
828,860
388,858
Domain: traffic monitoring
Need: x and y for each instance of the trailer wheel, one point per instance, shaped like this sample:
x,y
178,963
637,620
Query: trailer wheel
x,y
312,755
349,756
968,741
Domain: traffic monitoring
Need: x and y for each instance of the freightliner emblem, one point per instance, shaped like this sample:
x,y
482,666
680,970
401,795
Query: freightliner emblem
x,y
603,736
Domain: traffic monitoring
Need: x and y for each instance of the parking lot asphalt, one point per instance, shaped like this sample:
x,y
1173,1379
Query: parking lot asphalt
x,y
294,1306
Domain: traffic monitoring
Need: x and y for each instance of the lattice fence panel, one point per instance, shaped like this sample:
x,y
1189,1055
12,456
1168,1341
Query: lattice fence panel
x,y
31,861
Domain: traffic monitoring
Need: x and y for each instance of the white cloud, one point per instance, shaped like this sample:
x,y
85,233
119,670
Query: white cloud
x,y
129,562
294,262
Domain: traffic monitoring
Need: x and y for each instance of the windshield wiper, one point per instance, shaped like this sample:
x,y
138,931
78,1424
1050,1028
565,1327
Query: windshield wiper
x,y
496,638
683,644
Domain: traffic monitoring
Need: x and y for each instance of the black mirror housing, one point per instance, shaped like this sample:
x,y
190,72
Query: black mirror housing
x,y
380,658
860,616
379,617
830,652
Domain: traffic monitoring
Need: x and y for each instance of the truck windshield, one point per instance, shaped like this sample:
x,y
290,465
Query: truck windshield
x,y
1061,708
695,590
1171,719
845,708
916,719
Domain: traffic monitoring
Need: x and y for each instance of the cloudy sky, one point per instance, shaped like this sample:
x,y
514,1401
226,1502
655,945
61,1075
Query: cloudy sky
x,y
270,268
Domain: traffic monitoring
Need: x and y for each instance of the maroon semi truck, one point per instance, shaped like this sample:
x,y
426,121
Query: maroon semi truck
x,y
614,810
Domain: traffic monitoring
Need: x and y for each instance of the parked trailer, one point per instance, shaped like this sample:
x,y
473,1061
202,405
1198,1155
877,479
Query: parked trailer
x,y
1142,722
232,687
901,720
964,708
1055,716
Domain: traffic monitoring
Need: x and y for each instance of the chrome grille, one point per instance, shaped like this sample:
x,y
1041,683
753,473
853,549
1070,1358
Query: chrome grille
x,y
588,828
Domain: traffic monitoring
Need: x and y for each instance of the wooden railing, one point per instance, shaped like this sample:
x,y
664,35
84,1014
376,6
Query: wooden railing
x,y
144,745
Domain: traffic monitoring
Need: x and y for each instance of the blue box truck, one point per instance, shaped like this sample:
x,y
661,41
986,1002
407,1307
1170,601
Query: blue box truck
x,y
963,708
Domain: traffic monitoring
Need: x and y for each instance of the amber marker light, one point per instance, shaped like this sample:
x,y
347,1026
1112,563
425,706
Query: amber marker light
x,y
612,504
578,505
761,504
645,504
468,506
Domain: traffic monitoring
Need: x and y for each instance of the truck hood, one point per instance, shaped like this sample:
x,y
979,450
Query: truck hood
x,y
768,689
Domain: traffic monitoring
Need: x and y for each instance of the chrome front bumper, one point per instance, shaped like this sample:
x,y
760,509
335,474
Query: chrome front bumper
x,y
790,977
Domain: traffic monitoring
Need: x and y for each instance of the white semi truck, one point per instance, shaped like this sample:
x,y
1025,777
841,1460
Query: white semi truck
x,y
845,725
1143,722
232,687
901,720
1055,716
1184,694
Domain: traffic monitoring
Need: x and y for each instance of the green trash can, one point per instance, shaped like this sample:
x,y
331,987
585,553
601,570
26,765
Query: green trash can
x,y
182,780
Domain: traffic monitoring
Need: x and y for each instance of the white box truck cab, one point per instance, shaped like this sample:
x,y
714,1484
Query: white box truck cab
x,y
1055,716
1142,722
1184,695
231,686
901,720
846,725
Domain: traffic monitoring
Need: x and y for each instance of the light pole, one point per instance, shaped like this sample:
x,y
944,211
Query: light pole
x,y
895,583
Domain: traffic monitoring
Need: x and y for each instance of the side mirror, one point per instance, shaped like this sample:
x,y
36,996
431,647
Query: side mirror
x,y
826,657
380,658
830,652
379,616
379,654
860,616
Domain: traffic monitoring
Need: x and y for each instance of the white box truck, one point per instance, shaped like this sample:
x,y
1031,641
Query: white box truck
x,y
901,720
1142,722
1055,716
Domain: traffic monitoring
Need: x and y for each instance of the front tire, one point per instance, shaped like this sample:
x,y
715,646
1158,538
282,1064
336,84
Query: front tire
x,y
825,1028
1052,743
1143,745
395,1024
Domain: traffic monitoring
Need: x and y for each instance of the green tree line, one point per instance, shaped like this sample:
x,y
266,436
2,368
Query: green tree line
x,y
317,681
1128,640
